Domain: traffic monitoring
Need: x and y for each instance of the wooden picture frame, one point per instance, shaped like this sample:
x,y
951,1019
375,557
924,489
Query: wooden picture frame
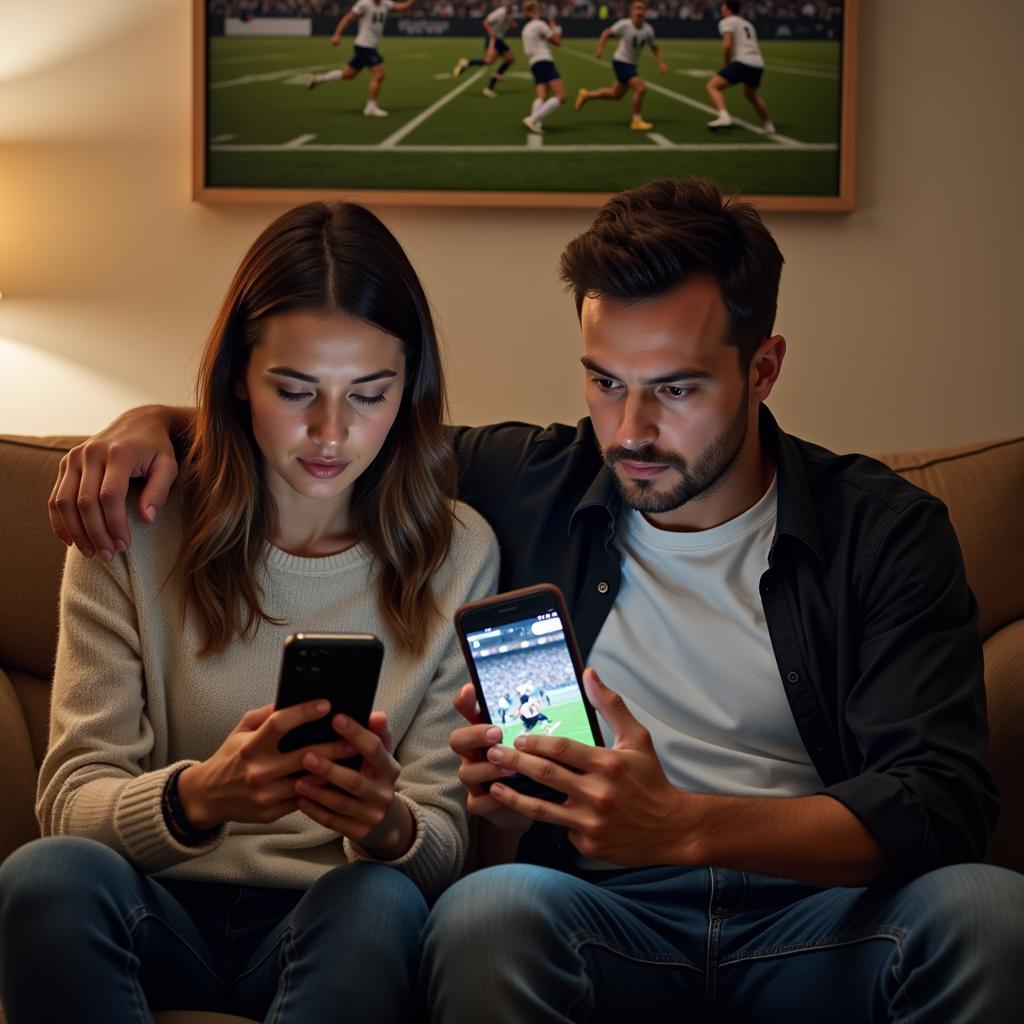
x,y
841,200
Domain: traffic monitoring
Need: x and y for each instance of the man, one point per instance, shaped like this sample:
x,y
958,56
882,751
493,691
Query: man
x,y
496,24
743,63
537,34
633,34
372,15
780,825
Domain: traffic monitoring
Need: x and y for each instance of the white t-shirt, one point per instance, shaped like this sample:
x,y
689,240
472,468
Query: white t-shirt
x,y
686,645
536,34
498,20
631,39
371,21
744,40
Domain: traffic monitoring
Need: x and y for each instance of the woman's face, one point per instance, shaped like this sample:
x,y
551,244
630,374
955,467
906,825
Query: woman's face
x,y
323,390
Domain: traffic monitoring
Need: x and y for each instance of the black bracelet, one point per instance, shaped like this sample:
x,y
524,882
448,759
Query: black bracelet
x,y
175,818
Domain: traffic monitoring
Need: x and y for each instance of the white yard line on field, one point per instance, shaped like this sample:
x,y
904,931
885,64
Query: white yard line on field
x,y
393,140
658,139
534,141
300,141
270,76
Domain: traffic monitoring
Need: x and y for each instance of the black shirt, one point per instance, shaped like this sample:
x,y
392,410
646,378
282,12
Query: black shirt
x,y
867,606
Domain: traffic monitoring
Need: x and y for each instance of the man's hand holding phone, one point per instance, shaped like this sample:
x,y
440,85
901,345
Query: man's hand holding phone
x,y
620,805
471,743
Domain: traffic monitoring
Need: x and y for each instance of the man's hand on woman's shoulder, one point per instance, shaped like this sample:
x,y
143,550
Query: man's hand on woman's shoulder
x,y
88,502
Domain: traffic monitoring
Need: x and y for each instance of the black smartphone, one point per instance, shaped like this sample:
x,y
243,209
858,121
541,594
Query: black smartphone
x,y
340,667
526,668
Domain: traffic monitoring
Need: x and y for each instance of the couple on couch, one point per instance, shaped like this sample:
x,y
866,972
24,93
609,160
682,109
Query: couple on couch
x,y
785,819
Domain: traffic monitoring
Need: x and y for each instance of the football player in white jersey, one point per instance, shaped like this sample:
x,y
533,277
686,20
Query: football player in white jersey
x,y
633,34
496,24
537,34
743,63
371,14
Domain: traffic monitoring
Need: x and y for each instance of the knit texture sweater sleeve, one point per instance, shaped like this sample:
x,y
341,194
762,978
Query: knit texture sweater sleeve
x,y
96,780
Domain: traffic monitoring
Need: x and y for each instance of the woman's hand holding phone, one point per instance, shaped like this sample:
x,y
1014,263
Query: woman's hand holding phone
x,y
471,743
248,779
361,805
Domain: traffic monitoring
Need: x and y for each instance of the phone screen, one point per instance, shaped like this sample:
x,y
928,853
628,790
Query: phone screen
x,y
528,680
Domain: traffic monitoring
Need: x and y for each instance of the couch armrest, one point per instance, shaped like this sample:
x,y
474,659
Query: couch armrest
x,y
17,774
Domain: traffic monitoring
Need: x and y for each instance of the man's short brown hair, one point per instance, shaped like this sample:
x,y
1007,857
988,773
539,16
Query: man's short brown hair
x,y
648,240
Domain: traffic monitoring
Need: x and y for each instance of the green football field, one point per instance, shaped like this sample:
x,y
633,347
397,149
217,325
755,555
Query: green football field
x,y
266,130
568,720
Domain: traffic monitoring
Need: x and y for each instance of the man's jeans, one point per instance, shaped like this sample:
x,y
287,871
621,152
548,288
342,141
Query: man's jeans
x,y
519,943
86,937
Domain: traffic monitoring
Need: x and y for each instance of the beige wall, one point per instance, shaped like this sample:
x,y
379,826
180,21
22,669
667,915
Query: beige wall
x,y
902,318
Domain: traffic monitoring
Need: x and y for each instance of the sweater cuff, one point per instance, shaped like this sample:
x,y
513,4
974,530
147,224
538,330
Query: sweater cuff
x,y
140,825
433,860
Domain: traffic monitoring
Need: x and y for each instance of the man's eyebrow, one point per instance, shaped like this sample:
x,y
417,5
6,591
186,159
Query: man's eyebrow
x,y
662,378
284,371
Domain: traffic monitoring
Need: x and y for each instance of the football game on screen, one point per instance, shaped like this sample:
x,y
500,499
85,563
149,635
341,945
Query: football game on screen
x,y
527,677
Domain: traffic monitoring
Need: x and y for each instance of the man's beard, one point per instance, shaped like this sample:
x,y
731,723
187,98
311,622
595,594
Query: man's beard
x,y
709,471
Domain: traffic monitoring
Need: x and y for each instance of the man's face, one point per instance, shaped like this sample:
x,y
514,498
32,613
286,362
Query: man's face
x,y
668,400
637,13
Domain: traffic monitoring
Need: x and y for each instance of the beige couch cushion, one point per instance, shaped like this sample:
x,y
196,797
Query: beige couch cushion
x,y
17,774
983,487
28,614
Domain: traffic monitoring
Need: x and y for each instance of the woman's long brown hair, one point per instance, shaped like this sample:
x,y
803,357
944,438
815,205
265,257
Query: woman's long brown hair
x,y
329,259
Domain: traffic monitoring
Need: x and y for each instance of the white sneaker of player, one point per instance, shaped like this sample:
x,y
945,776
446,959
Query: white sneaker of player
x,y
534,126
374,111
460,66
769,128
489,92
311,82
722,121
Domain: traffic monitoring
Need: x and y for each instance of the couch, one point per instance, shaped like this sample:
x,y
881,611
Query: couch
x,y
982,484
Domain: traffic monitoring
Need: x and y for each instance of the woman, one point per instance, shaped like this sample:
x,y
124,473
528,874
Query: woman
x,y
188,862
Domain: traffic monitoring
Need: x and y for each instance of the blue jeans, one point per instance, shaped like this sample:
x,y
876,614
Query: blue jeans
x,y
520,943
85,937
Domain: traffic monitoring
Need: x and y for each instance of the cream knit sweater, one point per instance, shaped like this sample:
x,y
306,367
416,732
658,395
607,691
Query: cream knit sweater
x,y
132,701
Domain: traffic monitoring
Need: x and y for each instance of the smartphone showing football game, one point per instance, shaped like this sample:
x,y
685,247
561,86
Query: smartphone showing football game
x,y
525,666
340,667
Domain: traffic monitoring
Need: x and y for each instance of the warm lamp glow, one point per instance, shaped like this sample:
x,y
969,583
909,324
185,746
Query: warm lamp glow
x,y
50,394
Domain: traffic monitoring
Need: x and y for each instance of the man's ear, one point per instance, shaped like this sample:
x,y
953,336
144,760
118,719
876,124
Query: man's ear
x,y
766,366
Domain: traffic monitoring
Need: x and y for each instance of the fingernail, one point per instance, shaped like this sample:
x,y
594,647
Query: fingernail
x,y
310,761
107,556
322,707
498,789
493,734
151,512
340,721
520,742
121,546
303,787
88,552
496,754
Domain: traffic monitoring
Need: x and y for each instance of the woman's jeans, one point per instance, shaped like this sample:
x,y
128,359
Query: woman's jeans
x,y
86,937
520,943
